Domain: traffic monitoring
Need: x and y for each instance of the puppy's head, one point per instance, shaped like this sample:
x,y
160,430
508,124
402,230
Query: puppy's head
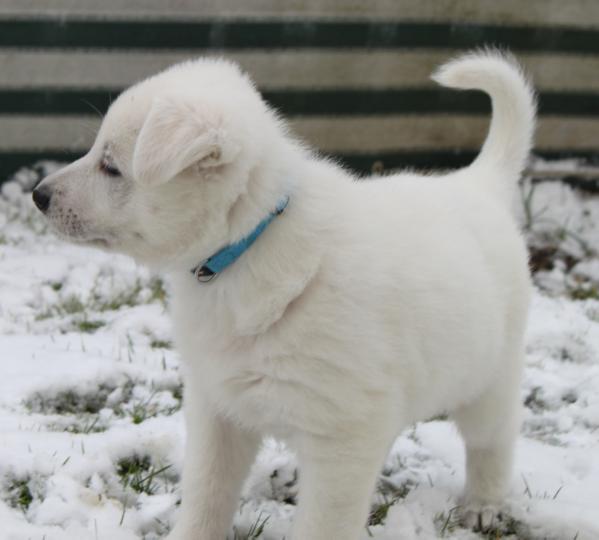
x,y
173,154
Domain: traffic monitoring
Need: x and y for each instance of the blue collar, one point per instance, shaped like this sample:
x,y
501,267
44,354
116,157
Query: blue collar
x,y
229,254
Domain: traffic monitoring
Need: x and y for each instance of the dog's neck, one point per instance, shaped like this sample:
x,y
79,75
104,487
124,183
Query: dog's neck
x,y
207,270
255,293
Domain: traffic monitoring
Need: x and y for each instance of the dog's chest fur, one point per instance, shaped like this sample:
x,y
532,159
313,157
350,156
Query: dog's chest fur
x,y
288,377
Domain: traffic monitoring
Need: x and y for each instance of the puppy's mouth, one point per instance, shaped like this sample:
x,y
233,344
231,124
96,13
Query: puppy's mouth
x,y
81,238
104,240
96,242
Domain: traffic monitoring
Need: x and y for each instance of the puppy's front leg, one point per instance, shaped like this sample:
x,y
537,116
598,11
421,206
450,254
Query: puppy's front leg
x,y
218,455
337,478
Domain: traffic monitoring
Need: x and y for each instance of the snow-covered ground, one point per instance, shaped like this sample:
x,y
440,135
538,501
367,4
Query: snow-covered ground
x,y
91,429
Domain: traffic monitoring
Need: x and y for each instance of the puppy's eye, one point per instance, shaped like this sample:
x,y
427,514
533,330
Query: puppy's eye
x,y
109,169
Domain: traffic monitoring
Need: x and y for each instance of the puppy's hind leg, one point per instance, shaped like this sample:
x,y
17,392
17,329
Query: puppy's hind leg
x,y
489,426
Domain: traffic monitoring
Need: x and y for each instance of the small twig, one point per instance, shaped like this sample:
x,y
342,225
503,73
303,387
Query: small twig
x,y
557,492
124,511
527,490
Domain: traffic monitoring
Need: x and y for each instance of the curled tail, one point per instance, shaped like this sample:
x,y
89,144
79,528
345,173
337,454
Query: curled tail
x,y
510,136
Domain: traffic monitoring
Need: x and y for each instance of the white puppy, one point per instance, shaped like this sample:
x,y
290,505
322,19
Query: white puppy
x,y
363,307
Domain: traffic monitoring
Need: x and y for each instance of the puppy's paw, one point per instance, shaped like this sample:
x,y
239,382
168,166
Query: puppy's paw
x,y
479,518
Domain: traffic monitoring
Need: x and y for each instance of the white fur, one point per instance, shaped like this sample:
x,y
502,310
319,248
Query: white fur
x,y
365,306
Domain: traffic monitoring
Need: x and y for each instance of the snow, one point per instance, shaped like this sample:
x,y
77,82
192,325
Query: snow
x,y
90,397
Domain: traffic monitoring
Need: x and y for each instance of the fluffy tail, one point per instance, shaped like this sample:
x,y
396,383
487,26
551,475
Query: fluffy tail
x,y
510,137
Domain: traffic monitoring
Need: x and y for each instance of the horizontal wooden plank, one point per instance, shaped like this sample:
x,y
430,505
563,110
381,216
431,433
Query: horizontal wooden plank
x,y
412,101
434,132
370,134
549,12
234,34
433,160
277,69
361,163
48,133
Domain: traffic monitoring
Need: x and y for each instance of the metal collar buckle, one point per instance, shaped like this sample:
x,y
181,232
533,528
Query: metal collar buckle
x,y
203,274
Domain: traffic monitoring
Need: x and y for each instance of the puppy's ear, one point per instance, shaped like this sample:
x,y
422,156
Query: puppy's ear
x,y
178,134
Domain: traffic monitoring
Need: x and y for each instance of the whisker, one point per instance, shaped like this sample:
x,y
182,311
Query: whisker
x,y
93,107
88,127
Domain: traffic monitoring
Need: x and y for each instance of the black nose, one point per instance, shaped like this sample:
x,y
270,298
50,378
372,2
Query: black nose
x,y
41,197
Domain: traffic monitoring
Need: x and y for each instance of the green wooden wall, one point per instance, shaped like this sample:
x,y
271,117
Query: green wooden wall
x,y
353,77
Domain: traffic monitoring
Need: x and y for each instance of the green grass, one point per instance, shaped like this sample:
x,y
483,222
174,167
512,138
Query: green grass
x,y
75,402
72,305
534,400
590,292
68,402
99,304
131,297
46,314
83,424
177,392
447,523
132,470
503,527
81,404
19,494
139,474
89,326
88,425
143,410
254,532
161,344
158,291
508,527
379,512
390,494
